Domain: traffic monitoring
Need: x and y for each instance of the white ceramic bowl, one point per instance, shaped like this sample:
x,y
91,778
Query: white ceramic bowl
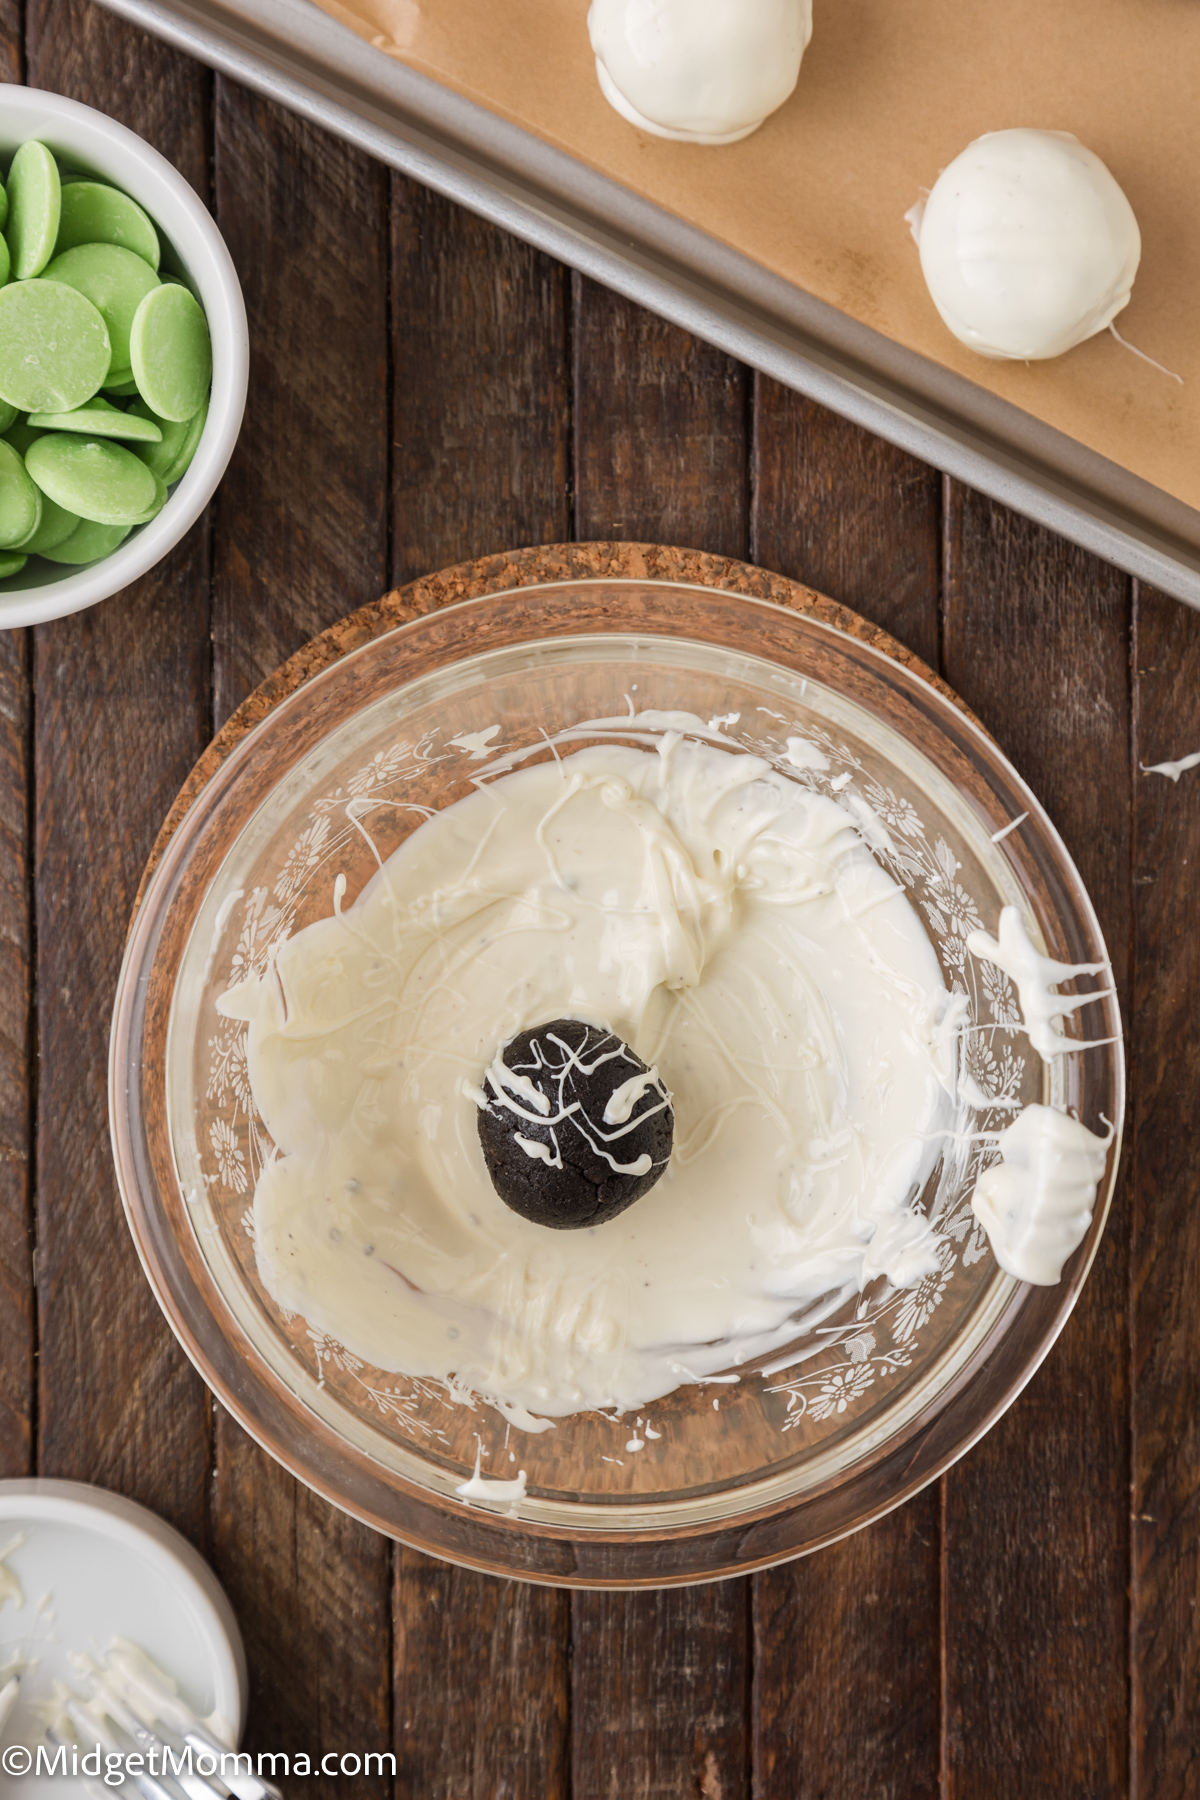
x,y
193,248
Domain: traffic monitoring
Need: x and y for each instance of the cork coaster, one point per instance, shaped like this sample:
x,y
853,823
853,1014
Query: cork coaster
x,y
532,567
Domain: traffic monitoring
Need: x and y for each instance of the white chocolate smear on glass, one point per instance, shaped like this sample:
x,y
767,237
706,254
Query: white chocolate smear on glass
x,y
733,927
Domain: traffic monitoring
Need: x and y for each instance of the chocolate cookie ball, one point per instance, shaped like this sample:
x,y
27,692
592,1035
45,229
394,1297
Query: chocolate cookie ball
x,y
574,1127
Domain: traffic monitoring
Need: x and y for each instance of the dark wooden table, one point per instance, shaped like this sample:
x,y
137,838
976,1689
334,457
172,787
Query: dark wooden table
x,y
425,389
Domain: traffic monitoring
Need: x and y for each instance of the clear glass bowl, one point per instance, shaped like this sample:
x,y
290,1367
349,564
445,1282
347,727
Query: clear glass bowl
x,y
798,1453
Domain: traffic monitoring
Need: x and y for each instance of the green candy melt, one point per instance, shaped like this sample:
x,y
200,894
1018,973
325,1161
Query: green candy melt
x,y
160,499
93,213
171,352
10,565
88,543
8,417
100,419
54,347
99,480
21,435
5,262
116,282
34,205
55,528
20,502
171,457
3,206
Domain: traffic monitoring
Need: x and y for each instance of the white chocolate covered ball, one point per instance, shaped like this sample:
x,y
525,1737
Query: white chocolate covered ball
x,y
1028,246
705,71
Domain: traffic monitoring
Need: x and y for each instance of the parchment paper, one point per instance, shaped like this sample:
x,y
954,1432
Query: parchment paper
x,y
890,92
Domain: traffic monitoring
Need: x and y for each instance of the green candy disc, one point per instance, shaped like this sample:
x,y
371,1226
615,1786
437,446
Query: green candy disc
x,y
21,435
101,419
54,347
3,206
20,502
88,543
171,352
93,213
98,480
160,499
10,565
116,282
5,262
8,417
170,458
56,526
34,205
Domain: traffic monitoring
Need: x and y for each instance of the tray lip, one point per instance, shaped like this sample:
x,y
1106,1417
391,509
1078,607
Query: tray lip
x,y
315,65
736,1545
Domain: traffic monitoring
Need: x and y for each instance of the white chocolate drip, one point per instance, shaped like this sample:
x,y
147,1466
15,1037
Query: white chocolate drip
x,y
512,1086
10,1587
1036,1203
1173,770
485,1487
1042,1009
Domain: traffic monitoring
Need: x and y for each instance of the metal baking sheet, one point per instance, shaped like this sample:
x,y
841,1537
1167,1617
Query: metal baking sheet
x,y
298,55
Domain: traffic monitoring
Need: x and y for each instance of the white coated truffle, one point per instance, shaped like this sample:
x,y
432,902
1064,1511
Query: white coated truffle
x,y
704,71
1028,246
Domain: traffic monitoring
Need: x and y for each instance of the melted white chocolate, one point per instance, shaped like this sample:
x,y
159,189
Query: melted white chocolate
x,y
1036,1203
1042,1008
735,931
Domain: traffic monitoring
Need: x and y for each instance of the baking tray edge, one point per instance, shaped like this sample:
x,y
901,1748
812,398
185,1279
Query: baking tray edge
x,y
295,54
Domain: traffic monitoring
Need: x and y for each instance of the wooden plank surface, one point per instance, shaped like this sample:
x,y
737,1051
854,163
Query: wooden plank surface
x,y
18,1324
857,519
1036,640
121,710
425,389
659,1681
301,539
480,448
1164,1174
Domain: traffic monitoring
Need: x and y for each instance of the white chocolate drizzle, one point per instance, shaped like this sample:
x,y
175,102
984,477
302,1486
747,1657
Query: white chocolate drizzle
x,y
1042,1008
1173,770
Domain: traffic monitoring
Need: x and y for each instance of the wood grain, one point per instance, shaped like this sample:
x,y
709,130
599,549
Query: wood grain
x,y
833,505
852,516
481,1691
301,540
1165,1177
76,48
121,711
12,41
17,1063
661,432
310,1589
301,513
480,440
661,1694
480,423
1036,638
659,1681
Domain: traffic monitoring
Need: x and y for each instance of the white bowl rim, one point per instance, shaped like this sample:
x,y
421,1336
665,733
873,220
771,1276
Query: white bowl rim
x,y
84,132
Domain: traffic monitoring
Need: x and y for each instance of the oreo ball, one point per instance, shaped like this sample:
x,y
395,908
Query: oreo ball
x,y
574,1127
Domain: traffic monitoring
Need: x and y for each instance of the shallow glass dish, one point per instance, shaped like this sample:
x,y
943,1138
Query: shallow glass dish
x,y
796,1453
